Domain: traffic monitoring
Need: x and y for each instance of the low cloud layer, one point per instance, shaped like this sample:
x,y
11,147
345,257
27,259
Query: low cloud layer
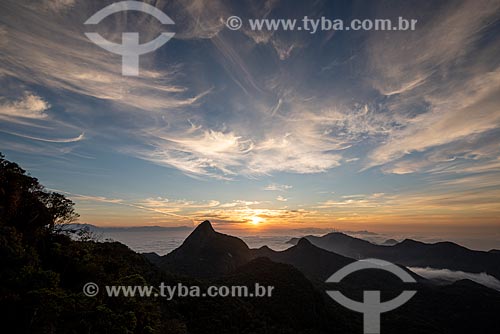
x,y
445,275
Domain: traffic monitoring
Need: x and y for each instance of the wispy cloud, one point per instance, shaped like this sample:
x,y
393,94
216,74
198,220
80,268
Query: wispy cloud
x,y
357,201
205,152
278,187
56,5
49,140
421,70
448,122
201,152
72,63
29,106
448,35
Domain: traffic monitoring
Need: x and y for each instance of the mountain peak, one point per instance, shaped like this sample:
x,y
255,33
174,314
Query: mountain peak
x,y
204,228
303,242
390,242
206,253
202,232
265,248
410,242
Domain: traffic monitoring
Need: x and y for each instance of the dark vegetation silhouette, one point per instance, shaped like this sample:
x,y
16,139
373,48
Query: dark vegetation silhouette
x,y
43,271
44,266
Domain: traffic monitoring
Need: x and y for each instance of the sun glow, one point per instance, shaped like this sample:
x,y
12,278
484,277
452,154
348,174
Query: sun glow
x,y
256,220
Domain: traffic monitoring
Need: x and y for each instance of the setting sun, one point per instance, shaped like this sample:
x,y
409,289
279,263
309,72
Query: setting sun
x,y
256,220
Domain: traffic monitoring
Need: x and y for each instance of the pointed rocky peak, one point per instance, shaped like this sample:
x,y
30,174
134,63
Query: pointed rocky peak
x,y
204,227
202,231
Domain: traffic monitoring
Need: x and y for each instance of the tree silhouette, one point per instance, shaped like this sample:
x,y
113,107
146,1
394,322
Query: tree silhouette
x,y
27,206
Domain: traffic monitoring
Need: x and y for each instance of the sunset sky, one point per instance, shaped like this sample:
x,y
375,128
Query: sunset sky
x,y
256,129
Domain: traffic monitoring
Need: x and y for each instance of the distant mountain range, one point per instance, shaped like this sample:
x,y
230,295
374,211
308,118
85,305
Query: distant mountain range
x,y
207,253
95,228
411,253
460,307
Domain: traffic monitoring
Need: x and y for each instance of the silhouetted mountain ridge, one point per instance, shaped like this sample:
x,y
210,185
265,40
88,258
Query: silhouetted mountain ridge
x,y
390,242
434,309
313,261
412,253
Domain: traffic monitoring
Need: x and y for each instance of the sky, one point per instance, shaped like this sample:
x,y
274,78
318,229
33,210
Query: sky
x,y
255,130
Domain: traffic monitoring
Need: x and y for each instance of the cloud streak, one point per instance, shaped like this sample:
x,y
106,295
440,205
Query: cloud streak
x,y
48,140
422,69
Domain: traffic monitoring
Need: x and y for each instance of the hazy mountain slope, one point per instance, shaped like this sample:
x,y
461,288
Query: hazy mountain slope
x,y
311,260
